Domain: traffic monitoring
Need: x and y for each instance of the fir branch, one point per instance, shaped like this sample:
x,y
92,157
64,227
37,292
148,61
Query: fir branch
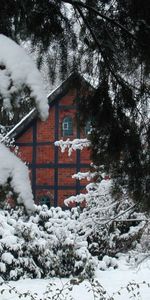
x,y
81,4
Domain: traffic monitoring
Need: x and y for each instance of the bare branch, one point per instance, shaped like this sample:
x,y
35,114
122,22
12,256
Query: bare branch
x,y
115,217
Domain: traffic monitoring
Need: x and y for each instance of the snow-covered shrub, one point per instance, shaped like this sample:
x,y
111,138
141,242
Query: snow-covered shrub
x,y
42,245
111,238
141,253
52,242
145,238
109,225
108,262
105,241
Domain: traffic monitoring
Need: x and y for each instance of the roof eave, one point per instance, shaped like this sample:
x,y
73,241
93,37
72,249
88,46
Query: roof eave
x,y
33,114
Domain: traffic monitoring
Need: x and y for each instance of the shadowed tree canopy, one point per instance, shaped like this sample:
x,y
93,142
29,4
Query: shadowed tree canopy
x,y
109,41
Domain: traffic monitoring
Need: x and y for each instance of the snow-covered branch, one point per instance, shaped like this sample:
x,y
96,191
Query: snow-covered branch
x,y
97,192
76,144
85,175
13,169
17,71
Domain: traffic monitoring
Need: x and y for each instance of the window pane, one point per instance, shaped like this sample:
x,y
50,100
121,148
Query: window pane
x,y
67,126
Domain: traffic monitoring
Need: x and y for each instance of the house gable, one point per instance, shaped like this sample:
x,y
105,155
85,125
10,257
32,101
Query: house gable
x,y
50,170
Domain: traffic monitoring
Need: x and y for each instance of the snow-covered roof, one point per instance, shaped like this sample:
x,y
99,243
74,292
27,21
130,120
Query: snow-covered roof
x,y
33,114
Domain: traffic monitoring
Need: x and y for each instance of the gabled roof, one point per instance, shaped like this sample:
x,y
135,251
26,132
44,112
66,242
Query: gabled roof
x,y
75,79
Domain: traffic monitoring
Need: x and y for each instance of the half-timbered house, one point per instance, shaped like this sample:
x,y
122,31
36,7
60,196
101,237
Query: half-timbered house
x,y
51,170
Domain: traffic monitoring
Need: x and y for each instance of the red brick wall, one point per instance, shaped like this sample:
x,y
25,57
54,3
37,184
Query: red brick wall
x,y
26,137
37,148
45,130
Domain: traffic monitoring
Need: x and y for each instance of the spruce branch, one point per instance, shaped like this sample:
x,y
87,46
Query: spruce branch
x,y
91,8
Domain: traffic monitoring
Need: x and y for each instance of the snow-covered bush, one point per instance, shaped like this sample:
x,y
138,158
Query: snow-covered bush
x,y
141,253
108,262
52,242
109,224
145,239
111,241
42,245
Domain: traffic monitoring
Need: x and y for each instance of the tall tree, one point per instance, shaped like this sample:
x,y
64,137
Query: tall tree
x,y
119,35
110,41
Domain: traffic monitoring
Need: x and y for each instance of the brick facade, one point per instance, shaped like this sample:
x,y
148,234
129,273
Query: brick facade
x,y
50,170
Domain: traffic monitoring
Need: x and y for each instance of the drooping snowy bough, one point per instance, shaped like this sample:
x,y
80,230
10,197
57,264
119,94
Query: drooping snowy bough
x,y
18,71
11,167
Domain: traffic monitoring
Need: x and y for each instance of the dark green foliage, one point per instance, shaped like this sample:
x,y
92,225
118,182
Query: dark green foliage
x,y
119,107
115,237
119,138
46,28
31,19
42,23
113,47
25,104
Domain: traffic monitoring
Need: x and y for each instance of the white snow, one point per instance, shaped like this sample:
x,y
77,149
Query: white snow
x,y
85,175
18,70
11,167
7,258
2,267
112,280
76,144
98,190
7,136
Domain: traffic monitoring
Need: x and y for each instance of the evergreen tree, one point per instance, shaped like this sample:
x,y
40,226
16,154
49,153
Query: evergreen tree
x,y
110,41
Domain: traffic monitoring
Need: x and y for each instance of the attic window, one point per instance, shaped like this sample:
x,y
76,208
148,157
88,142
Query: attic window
x,y
67,126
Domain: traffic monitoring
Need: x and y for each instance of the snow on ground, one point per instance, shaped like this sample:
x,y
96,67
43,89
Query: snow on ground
x,y
112,280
